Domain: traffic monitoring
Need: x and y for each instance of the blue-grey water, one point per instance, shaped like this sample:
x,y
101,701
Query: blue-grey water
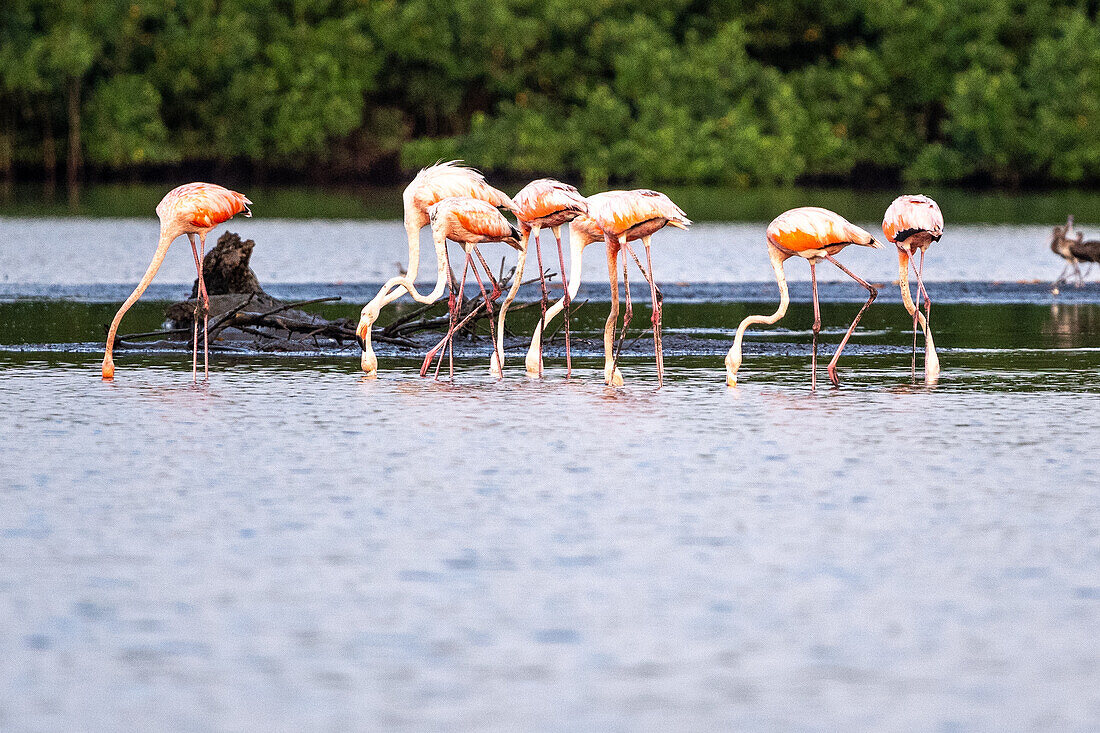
x,y
292,547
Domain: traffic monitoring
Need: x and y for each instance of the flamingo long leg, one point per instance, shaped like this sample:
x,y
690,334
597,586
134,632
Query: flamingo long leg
x,y
816,326
658,303
872,292
485,296
456,300
611,376
450,336
628,312
654,317
452,316
205,309
567,298
452,327
916,312
1061,276
195,318
533,362
544,293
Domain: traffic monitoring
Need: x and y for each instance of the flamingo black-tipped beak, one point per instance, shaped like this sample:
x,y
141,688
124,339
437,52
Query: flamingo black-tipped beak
x,y
361,335
361,341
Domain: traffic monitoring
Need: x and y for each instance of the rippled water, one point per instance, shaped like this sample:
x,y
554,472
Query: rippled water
x,y
293,547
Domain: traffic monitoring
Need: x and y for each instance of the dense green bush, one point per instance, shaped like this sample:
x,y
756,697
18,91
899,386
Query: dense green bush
x,y
728,92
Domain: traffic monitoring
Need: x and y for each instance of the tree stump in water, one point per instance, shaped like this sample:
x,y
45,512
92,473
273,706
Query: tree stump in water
x,y
225,268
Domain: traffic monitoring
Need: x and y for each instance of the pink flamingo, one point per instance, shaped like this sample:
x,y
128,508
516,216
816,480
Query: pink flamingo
x,y
913,223
541,203
194,208
624,216
469,222
813,234
431,185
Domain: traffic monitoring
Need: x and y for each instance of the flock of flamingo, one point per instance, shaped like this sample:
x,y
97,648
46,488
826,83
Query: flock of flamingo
x,y
459,205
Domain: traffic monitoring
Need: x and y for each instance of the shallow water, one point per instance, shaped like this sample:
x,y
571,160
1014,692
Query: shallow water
x,y
291,546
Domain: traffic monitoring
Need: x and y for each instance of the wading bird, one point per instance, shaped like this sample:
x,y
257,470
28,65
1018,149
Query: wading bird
x,y
1073,248
191,209
541,203
913,223
813,234
649,211
623,217
469,222
431,185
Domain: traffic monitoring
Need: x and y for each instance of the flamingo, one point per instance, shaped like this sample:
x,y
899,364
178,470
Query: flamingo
x,y
541,203
912,223
814,234
469,222
622,217
651,210
431,185
191,209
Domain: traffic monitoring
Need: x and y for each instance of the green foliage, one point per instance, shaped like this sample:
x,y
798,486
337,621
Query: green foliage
x,y
124,124
733,92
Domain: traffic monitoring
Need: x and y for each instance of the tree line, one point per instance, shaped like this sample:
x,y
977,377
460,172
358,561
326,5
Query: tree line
x,y
729,92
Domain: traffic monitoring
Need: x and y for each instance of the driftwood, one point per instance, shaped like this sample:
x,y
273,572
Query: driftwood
x,y
225,268
243,318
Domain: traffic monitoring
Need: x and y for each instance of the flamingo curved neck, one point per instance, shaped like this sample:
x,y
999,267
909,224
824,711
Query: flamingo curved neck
x,y
167,236
931,359
734,357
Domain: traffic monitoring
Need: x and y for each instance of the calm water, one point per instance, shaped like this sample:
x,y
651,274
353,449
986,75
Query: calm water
x,y
293,547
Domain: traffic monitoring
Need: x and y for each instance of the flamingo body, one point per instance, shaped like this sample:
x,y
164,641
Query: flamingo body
x,y
470,221
548,203
810,230
191,209
636,213
202,205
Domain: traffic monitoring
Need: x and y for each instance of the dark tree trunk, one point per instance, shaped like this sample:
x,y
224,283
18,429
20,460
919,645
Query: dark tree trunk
x,y
74,141
49,152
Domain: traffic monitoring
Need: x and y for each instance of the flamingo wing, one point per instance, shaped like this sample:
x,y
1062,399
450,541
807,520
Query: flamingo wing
x,y
811,228
545,197
908,215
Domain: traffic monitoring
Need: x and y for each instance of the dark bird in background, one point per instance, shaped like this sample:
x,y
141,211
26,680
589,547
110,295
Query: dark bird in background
x,y
1071,246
